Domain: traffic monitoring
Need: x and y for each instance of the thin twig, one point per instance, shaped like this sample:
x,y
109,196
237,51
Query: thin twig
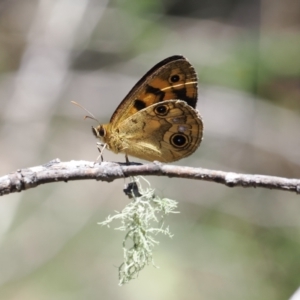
x,y
56,170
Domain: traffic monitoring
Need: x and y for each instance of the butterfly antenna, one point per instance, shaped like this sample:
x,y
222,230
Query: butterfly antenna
x,y
90,115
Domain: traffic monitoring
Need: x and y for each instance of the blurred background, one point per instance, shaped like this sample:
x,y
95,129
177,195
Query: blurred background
x,y
229,243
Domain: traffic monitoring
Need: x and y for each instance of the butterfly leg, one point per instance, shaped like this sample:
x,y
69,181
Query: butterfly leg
x,y
127,160
100,147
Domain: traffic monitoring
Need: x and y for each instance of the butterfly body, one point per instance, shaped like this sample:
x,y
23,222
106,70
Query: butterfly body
x,y
157,120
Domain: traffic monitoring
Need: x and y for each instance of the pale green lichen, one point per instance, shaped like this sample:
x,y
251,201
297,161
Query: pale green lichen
x,y
142,219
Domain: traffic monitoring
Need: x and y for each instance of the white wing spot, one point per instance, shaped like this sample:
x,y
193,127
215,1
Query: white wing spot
x,y
178,120
182,128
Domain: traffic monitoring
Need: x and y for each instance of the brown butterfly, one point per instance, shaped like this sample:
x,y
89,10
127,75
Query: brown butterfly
x,y
157,120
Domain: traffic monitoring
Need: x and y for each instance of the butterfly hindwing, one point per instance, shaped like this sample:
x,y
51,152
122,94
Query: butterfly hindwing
x,y
164,131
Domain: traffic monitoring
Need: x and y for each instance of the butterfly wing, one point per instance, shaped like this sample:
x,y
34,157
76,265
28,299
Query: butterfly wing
x,y
165,132
172,78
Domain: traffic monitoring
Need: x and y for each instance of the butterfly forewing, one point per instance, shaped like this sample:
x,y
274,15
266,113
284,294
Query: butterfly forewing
x,y
172,78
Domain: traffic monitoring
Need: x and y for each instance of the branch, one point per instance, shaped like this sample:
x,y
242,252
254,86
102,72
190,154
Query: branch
x,y
56,170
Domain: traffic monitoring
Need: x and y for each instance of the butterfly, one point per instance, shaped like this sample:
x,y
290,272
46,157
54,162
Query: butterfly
x,y
158,119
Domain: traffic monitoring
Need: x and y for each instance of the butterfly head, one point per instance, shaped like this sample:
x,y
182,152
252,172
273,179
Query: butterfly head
x,y
107,137
99,132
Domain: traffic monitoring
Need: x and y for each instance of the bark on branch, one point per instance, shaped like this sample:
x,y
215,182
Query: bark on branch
x,y
56,170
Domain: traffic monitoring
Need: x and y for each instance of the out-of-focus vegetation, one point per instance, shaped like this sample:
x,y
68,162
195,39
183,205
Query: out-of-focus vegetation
x,y
229,243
